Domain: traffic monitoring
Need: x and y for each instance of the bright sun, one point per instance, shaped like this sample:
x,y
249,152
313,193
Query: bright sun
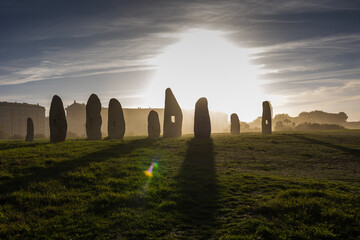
x,y
204,64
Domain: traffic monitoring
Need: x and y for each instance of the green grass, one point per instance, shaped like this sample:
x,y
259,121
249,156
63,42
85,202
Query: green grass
x,y
281,186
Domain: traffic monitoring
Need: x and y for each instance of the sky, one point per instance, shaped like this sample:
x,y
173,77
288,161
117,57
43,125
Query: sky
x,y
300,55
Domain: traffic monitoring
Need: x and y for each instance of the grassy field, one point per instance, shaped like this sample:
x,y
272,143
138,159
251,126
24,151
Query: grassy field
x,y
280,186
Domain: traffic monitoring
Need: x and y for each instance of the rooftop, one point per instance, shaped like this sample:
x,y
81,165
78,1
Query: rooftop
x,y
16,104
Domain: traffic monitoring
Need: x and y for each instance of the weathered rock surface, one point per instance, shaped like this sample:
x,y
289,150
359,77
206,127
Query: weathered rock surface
x,y
173,116
57,120
202,125
93,118
29,130
116,121
153,125
235,124
266,118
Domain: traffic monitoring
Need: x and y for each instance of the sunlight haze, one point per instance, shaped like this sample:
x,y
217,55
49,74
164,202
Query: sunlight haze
x,y
203,63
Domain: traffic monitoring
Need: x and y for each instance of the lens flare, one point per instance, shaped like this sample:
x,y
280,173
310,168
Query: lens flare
x,y
149,172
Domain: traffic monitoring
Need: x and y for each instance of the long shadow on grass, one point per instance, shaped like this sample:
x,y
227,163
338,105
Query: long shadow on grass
x,y
352,151
58,169
198,189
14,145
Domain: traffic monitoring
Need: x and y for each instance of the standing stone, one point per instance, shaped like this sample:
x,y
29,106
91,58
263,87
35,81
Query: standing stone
x,y
57,120
29,130
202,125
153,125
93,118
116,121
172,116
266,118
235,124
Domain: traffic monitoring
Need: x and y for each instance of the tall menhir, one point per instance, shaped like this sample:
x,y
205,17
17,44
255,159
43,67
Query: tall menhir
x,y
173,116
202,123
153,125
267,118
57,120
29,130
93,118
116,121
235,124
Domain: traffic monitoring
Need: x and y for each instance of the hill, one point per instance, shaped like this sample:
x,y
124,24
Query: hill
x,y
286,185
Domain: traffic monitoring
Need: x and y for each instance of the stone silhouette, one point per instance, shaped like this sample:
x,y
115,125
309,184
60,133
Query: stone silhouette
x,y
29,130
116,121
235,124
266,118
173,116
202,125
153,125
57,120
93,118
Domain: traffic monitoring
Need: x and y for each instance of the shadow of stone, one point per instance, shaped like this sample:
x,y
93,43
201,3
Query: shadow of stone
x,y
15,145
352,151
58,169
197,188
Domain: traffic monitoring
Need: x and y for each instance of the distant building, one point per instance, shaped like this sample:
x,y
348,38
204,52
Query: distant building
x,y
76,118
13,117
136,120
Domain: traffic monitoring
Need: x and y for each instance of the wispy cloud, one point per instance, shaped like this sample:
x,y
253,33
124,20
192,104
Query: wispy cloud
x,y
311,60
332,99
338,42
302,46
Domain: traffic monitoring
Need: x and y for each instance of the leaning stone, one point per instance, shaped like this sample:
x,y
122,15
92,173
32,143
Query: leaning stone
x,y
29,130
153,125
93,118
57,120
267,118
202,125
173,116
116,121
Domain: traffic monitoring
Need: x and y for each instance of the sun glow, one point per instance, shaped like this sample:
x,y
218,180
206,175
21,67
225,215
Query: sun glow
x,y
204,64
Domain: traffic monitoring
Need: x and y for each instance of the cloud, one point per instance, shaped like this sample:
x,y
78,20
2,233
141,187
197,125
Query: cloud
x,y
301,65
325,42
338,98
301,45
329,95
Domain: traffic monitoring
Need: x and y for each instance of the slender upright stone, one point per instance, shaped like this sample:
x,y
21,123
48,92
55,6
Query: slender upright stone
x,y
93,118
29,130
173,116
153,125
266,118
202,125
57,120
116,121
235,124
